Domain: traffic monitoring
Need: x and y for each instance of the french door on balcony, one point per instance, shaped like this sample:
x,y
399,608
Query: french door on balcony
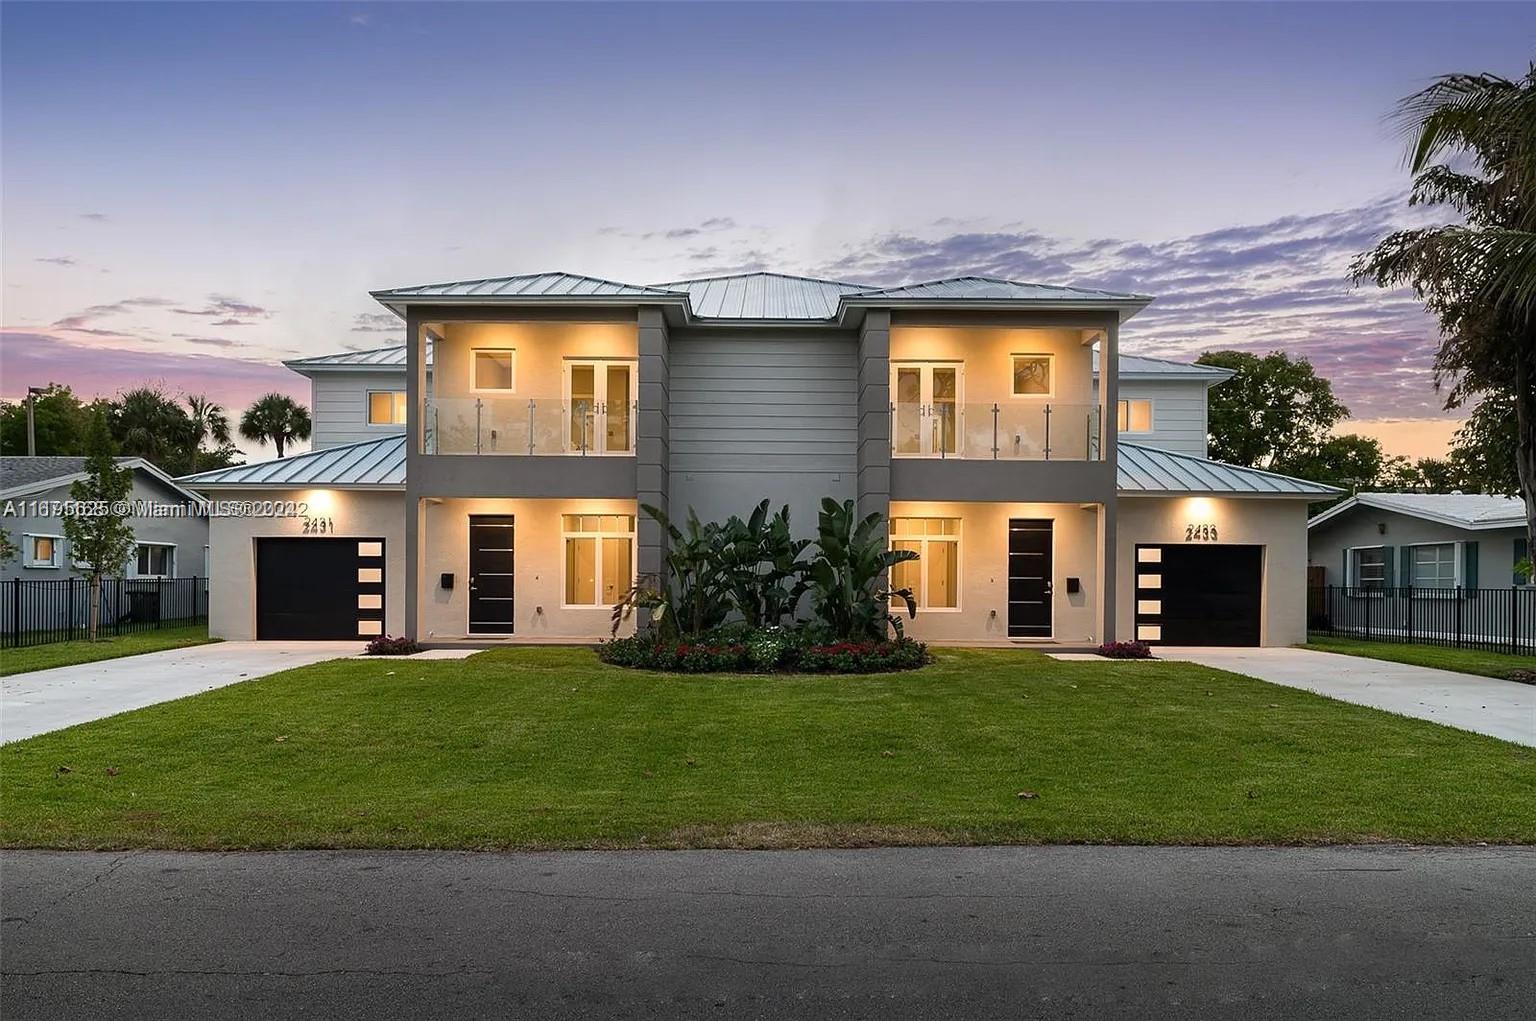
x,y
926,397
600,407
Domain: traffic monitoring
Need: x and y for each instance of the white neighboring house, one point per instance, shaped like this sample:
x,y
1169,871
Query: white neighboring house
x,y
483,481
168,547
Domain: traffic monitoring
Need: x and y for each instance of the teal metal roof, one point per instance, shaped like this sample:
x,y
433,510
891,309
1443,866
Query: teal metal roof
x,y
1151,471
379,462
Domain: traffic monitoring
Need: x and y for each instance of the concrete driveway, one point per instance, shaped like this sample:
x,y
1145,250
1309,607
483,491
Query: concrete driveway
x,y
1482,704
44,700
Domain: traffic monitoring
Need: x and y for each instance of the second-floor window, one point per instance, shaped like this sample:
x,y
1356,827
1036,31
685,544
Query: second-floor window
x,y
926,398
493,370
1034,376
386,407
1135,416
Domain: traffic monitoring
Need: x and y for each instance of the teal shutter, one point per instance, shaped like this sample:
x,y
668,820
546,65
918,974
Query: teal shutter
x,y
1521,551
1344,577
1469,562
1406,555
1387,566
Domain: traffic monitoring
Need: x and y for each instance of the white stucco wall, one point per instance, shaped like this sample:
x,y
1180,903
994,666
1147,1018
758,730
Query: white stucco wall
x,y
540,558
354,514
1280,526
983,612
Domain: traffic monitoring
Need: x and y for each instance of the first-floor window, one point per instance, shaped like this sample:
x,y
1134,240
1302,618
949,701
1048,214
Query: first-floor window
x,y
1434,566
599,558
934,577
1369,567
41,550
155,560
386,407
1135,416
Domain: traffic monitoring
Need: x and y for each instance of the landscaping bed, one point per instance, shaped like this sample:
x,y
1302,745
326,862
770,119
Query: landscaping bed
x,y
548,747
776,650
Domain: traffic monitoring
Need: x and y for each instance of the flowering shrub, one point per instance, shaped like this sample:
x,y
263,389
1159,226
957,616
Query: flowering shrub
x,y
387,646
1126,650
740,650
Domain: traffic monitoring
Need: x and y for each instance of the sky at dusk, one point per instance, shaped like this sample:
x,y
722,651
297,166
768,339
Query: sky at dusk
x,y
193,192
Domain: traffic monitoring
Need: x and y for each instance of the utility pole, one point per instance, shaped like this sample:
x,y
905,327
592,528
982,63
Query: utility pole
x,y
32,392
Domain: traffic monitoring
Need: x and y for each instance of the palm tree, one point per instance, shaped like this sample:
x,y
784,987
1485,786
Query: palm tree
x,y
1478,277
276,419
147,423
209,422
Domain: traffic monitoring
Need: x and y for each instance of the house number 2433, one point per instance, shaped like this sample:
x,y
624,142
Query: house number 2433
x,y
1199,533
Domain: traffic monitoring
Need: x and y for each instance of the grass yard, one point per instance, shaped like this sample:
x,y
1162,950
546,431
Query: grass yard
x,y
42,657
546,747
1467,661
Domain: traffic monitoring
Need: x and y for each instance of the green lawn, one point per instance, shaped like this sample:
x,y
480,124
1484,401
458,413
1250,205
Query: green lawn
x,y
546,747
41,657
1467,661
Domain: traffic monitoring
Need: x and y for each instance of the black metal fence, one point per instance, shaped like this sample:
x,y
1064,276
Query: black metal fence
x,y
42,612
1499,619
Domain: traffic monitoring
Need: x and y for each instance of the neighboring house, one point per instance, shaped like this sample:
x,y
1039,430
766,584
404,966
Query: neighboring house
x,y
168,546
1420,540
542,411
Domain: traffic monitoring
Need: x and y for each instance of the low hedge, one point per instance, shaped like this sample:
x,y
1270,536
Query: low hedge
x,y
761,653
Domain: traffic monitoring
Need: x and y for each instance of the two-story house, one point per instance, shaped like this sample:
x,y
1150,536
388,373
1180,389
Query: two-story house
x,y
486,481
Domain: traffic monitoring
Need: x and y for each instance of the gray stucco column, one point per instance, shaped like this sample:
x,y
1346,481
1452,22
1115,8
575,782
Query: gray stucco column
x,y
874,457
1109,408
652,441
415,392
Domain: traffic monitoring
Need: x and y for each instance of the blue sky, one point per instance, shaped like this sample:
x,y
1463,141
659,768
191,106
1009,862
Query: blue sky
x,y
194,191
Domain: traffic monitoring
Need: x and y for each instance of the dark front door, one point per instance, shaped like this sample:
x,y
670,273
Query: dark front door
x,y
1029,578
311,589
490,574
1200,594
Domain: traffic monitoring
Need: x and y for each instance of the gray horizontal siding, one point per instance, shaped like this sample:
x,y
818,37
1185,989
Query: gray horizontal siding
x,y
1179,420
339,407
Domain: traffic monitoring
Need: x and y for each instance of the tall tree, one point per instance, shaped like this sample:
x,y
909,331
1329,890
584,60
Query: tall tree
x,y
1350,462
60,418
1273,409
1483,451
1473,152
276,419
148,423
209,422
96,524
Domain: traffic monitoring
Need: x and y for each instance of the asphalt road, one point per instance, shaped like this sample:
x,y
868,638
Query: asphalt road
x,y
1071,932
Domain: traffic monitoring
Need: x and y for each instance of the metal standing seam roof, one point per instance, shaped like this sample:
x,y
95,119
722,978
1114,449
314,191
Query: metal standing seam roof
x,y
379,462
763,296
994,288
1459,510
529,285
1146,367
375,358
1152,470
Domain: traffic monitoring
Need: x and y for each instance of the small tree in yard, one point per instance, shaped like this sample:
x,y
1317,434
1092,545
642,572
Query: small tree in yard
x,y
100,538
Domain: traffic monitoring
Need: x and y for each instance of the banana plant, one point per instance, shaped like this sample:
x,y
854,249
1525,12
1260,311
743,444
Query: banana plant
x,y
762,566
848,574
693,591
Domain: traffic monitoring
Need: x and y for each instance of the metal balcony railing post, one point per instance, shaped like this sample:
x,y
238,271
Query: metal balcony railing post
x,y
478,404
994,431
1047,432
532,407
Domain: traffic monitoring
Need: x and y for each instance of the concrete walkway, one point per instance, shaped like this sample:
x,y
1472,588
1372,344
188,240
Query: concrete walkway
x,y
1089,933
44,700
1484,705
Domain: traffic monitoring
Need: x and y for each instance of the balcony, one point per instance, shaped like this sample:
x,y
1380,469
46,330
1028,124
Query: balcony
x,y
998,431
530,426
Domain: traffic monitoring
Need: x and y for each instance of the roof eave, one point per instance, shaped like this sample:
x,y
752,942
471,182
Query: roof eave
x,y
397,303
358,486
849,306
1363,500
1227,494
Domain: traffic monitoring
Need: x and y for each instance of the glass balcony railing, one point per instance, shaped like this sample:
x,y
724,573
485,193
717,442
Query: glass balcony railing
x,y
1026,431
529,425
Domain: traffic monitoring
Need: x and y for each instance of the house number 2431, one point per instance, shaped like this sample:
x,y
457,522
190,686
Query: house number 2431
x,y
1199,533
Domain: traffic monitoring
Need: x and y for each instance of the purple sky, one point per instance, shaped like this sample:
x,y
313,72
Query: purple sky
x,y
192,192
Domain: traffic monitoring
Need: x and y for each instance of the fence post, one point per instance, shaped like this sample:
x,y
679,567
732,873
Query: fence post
x,y
1409,590
1514,620
159,603
1458,616
15,613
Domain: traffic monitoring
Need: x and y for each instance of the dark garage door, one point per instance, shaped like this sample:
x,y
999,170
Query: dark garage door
x,y
1199,594
312,589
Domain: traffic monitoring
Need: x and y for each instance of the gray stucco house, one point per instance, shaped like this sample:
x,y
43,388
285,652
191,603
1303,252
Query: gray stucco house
x,y
174,545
